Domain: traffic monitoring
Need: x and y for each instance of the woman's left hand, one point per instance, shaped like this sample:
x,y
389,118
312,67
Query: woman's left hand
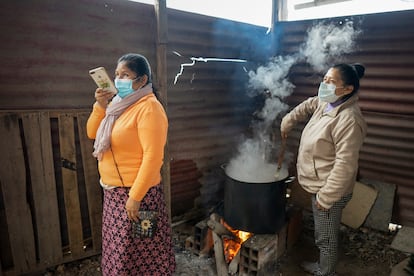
x,y
132,208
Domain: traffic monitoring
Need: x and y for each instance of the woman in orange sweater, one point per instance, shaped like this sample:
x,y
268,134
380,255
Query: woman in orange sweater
x,y
130,134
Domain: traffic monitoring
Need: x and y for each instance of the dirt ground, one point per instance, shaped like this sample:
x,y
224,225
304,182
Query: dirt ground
x,y
364,252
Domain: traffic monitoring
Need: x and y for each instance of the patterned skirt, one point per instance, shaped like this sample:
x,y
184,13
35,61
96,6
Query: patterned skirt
x,y
124,255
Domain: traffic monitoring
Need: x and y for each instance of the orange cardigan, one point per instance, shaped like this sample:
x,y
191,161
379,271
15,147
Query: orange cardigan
x,y
137,142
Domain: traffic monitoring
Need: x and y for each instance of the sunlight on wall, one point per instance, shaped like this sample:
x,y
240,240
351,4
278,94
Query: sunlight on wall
x,y
261,14
246,11
353,7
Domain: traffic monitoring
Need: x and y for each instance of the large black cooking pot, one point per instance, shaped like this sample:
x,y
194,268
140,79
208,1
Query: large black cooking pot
x,y
259,208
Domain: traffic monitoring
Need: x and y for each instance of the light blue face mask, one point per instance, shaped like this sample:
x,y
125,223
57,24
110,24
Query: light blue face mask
x,y
124,87
326,92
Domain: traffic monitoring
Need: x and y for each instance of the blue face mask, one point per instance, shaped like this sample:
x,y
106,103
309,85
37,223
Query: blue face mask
x,y
124,87
326,92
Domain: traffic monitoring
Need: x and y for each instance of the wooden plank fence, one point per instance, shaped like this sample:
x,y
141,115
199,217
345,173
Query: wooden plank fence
x,y
50,199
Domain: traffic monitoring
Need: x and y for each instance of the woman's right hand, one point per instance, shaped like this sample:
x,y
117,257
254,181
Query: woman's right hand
x,y
103,96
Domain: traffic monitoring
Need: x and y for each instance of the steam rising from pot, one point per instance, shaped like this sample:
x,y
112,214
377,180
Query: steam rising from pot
x,y
325,43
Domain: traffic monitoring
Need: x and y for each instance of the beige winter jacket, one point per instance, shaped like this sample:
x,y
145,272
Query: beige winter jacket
x,y
328,154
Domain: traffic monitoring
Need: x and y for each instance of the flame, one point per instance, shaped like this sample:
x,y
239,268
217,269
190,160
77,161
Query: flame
x,y
244,235
232,246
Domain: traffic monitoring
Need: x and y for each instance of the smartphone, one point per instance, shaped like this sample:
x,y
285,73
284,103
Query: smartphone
x,y
102,79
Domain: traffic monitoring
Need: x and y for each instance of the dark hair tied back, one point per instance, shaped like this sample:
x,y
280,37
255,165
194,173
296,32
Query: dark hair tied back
x,y
359,69
350,74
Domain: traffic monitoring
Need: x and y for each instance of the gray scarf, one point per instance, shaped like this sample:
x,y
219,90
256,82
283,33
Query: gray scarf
x,y
114,110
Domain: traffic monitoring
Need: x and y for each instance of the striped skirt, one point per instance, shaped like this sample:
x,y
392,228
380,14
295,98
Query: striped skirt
x,y
124,255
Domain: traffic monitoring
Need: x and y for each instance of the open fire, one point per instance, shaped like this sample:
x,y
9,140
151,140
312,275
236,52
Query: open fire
x,y
232,245
237,252
227,243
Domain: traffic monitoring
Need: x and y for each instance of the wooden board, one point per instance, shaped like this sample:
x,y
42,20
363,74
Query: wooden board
x,y
39,168
13,185
70,184
93,189
39,149
358,208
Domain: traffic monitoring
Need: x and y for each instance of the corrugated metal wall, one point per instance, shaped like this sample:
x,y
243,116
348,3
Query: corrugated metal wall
x,y
48,47
386,48
208,106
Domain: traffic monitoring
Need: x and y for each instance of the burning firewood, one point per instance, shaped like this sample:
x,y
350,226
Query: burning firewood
x,y
231,247
227,244
221,265
215,223
218,231
234,264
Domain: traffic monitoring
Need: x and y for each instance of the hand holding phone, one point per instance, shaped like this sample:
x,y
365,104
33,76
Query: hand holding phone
x,y
102,80
106,88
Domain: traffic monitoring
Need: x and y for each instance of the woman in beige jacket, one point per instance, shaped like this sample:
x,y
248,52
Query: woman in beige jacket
x,y
328,155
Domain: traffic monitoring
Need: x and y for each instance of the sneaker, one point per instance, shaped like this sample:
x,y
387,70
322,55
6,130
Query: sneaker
x,y
310,267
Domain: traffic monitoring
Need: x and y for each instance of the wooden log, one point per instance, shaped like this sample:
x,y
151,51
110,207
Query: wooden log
x,y
231,247
217,225
234,264
201,233
222,269
208,244
215,221
219,228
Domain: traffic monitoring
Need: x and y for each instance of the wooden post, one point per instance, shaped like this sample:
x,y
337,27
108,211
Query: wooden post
x,y
279,12
161,77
